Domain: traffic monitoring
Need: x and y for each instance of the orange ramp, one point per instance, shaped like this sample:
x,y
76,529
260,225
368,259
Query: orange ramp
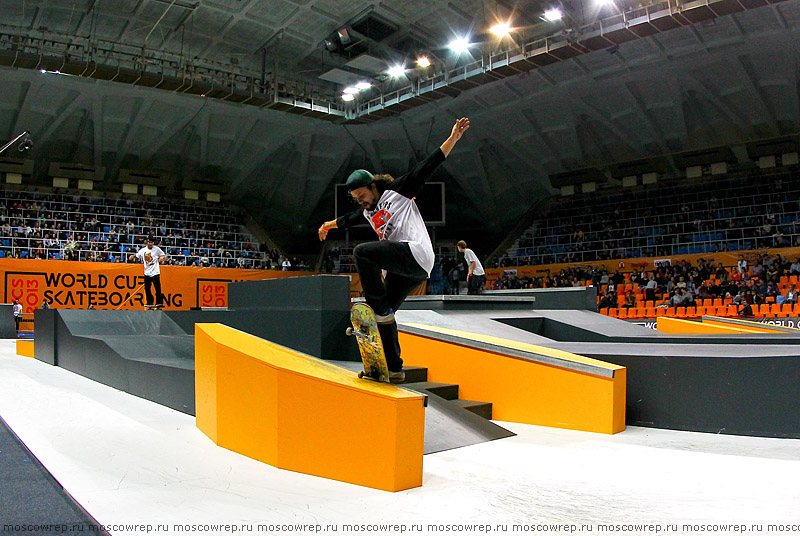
x,y
676,325
299,413
753,327
525,383
25,347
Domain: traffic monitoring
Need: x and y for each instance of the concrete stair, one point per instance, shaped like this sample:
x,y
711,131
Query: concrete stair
x,y
417,380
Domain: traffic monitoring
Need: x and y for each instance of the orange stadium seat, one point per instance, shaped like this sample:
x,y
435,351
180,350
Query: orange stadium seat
x,y
622,312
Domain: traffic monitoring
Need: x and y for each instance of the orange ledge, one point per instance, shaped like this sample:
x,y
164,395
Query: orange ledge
x,y
676,325
751,326
525,383
299,413
25,348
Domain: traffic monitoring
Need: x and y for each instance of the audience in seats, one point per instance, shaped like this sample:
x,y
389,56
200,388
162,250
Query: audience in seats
x,y
64,225
671,218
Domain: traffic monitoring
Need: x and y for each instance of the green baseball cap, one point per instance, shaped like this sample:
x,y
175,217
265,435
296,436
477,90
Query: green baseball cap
x,y
359,178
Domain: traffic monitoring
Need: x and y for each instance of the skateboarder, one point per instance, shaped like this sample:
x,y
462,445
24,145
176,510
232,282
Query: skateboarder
x,y
476,276
404,249
152,256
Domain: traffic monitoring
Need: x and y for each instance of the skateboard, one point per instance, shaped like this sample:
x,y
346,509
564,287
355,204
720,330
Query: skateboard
x,y
153,307
365,330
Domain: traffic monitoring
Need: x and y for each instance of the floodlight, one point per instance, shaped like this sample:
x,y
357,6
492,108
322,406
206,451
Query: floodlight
x,y
348,97
363,85
350,90
553,14
396,71
459,45
501,29
423,61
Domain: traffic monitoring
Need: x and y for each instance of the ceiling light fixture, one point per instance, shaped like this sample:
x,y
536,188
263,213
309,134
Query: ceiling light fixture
x,y
501,29
553,14
396,71
347,97
459,45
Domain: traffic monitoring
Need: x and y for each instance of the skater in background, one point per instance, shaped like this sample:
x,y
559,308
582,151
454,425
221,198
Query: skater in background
x,y
17,311
152,257
476,276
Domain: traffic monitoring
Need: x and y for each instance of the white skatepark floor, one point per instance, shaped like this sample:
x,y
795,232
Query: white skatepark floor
x,y
141,468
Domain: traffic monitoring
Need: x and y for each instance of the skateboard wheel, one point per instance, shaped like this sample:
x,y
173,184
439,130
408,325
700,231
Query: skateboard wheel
x,y
361,374
349,331
384,379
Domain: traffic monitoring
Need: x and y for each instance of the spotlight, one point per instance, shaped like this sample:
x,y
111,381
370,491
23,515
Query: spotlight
x,y
423,61
363,85
396,71
459,45
347,97
553,14
501,29
350,90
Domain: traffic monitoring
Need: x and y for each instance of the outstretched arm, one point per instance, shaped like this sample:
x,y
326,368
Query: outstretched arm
x,y
459,128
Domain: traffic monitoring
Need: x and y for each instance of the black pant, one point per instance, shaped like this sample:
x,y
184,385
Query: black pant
x,y
403,274
149,281
474,283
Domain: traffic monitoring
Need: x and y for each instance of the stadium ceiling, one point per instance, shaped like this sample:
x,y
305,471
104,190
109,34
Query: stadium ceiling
x,y
720,80
299,55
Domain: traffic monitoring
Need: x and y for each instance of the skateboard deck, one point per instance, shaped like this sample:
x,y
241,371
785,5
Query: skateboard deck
x,y
365,329
153,307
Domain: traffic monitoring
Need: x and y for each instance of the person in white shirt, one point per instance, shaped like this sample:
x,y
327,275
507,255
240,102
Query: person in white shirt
x,y
16,310
742,265
404,248
152,257
476,276
791,295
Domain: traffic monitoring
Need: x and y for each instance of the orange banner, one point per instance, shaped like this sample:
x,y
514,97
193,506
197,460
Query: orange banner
x,y
79,285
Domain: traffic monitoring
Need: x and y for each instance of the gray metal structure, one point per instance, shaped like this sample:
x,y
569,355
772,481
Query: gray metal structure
x,y
708,81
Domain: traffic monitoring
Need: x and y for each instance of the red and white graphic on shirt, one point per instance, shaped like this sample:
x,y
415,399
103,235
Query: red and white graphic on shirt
x,y
379,221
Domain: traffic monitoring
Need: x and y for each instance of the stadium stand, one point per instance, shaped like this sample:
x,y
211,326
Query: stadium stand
x,y
59,225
